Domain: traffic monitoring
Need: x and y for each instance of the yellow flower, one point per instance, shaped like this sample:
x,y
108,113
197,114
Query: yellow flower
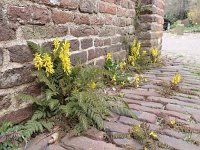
x,y
38,61
108,57
176,79
153,134
92,85
131,60
144,53
154,52
56,44
114,78
122,65
173,122
47,63
137,80
65,57
145,148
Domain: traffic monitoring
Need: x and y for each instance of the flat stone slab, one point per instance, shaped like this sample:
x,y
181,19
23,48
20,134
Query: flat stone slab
x,y
84,143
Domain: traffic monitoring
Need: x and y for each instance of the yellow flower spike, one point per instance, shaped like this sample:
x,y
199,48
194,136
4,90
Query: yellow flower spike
x,y
122,65
154,52
38,61
114,78
176,79
153,134
144,53
108,57
65,57
47,63
56,44
173,122
92,85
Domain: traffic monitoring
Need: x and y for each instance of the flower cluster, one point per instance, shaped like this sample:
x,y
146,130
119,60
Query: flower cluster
x,y
92,85
38,61
176,79
45,61
122,65
154,55
56,44
173,122
134,52
108,57
65,57
153,135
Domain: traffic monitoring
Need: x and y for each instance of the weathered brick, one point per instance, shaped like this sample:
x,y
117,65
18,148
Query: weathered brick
x,y
82,19
81,31
20,54
62,17
17,116
69,4
80,57
86,144
74,45
7,32
107,8
107,42
117,127
88,6
1,57
98,42
5,102
28,14
96,20
110,1
1,12
30,32
15,77
86,43
91,54
107,31
100,52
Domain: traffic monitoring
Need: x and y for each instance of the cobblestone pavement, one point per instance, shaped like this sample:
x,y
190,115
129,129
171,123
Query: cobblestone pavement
x,y
148,104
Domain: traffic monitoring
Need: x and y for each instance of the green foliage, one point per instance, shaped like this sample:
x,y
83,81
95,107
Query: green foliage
x,y
70,91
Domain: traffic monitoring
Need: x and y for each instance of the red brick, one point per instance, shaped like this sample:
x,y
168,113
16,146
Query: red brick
x,y
98,42
82,19
110,1
88,6
96,20
86,43
15,77
91,54
20,54
61,17
80,57
17,116
107,8
1,57
7,32
69,4
28,14
81,31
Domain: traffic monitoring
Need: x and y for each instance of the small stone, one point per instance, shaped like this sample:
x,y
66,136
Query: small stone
x,y
95,134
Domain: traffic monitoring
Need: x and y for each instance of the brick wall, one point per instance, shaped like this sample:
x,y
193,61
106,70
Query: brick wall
x,y
150,29
93,27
